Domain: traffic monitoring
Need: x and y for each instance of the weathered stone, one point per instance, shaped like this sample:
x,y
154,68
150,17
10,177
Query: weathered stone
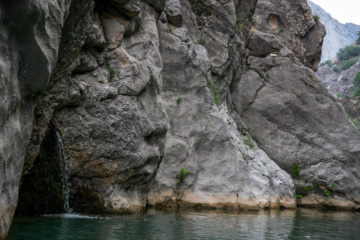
x,y
159,5
338,35
173,12
292,109
226,170
27,58
291,22
130,8
136,99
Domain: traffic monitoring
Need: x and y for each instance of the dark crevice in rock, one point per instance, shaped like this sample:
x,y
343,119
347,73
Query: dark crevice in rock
x,y
41,191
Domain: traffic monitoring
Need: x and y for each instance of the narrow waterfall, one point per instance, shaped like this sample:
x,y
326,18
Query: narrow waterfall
x,y
64,171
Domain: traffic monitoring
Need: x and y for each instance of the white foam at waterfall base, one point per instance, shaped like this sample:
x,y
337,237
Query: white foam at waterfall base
x,y
74,216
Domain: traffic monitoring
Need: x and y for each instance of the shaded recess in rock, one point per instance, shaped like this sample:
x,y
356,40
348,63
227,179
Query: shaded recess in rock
x,y
41,191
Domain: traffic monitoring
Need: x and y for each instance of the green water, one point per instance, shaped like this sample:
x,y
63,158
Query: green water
x,y
301,224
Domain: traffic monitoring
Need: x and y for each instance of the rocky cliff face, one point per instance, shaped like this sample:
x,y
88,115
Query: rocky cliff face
x,y
338,35
139,90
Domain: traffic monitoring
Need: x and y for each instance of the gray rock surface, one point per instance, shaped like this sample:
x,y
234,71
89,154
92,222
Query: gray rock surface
x,y
293,109
338,35
136,96
292,22
28,31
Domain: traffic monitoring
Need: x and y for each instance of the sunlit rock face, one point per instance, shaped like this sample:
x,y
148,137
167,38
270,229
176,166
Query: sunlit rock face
x,y
139,90
292,22
338,35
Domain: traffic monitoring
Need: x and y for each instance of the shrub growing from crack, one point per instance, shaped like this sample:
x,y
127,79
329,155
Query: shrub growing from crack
x,y
214,91
296,169
181,175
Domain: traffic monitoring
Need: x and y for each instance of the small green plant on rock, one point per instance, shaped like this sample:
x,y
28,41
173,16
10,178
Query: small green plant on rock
x,y
297,196
153,80
181,175
201,41
178,101
336,69
296,169
327,193
111,70
333,187
239,23
253,21
142,27
248,143
316,17
214,91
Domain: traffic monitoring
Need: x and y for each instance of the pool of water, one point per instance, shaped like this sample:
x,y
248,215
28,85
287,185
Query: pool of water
x,y
285,224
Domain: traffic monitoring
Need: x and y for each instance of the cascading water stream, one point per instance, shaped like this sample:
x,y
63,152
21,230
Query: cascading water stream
x,y
64,170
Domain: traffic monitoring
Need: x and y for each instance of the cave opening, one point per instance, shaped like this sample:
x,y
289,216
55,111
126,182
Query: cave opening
x,y
44,190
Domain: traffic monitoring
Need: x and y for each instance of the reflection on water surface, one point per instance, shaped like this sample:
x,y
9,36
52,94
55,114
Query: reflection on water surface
x,y
286,224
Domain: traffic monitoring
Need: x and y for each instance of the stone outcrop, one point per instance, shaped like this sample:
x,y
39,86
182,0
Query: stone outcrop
x,y
173,104
338,35
29,39
293,24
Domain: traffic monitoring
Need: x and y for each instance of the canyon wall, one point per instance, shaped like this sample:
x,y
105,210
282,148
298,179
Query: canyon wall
x,y
338,34
177,103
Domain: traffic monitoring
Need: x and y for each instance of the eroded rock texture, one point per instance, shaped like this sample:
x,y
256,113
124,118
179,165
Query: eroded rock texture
x,y
141,89
29,41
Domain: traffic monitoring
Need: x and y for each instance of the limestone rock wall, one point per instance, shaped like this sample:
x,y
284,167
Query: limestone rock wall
x,y
141,89
338,35
29,40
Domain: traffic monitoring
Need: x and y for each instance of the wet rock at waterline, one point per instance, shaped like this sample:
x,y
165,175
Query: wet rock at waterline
x,y
142,89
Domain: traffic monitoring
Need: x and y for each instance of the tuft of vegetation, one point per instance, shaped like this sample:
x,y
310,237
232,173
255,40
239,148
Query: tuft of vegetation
x,y
239,24
358,40
336,69
201,41
178,101
349,63
199,8
248,143
214,91
329,63
153,80
309,188
111,70
339,95
316,18
347,53
333,187
356,81
356,84
253,22
327,193
261,75
142,27
297,196
181,175
296,170
354,121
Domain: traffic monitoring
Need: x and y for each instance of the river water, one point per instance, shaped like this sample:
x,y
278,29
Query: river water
x,y
285,224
